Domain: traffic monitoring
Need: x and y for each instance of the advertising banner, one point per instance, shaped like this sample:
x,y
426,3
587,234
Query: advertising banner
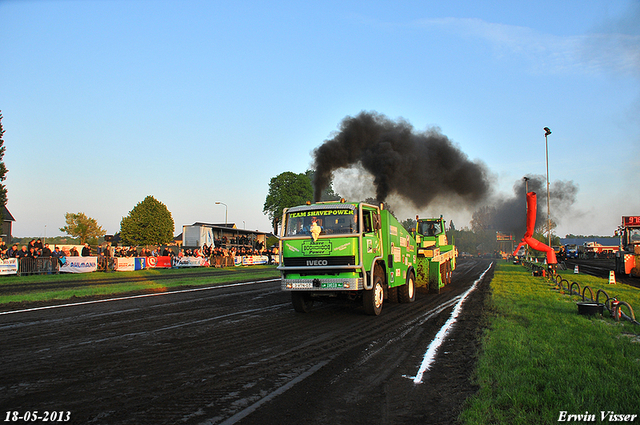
x,y
79,265
251,260
190,262
260,259
159,262
502,237
9,266
141,263
124,264
129,264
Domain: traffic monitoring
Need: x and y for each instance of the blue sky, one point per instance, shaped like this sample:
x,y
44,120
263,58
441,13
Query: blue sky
x,y
105,102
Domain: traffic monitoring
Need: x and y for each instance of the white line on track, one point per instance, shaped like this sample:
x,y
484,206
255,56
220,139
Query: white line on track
x,y
430,355
246,412
155,294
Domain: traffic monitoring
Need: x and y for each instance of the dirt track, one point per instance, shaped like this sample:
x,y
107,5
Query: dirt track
x,y
240,354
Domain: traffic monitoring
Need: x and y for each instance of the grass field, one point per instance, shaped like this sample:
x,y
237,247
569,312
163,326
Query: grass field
x,y
540,358
66,286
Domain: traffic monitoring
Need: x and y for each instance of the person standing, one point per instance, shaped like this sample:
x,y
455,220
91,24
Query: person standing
x,y
23,252
46,251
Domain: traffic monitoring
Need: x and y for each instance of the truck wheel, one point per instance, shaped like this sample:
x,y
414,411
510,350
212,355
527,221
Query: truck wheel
x,y
301,301
447,271
372,299
407,292
392,295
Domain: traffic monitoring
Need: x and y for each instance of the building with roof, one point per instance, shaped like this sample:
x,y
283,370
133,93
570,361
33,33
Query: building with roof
x,y
223,235
7,224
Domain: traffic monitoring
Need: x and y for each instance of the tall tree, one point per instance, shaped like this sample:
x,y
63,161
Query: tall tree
x,y
148,223
409,224
482,218
81,226
286,190
3,171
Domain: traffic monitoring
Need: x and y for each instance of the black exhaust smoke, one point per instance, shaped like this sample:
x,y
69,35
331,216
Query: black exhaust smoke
x,y
418,166
508,213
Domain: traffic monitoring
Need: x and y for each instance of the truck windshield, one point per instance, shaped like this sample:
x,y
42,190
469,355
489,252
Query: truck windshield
x,y
330,221
429,228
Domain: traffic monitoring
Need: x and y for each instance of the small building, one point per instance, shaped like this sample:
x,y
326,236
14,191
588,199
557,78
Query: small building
x,y
7,223
224,235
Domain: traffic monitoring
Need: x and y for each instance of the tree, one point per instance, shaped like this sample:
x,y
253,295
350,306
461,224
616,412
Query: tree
x,y
286,190
482,218
410,224
81,226
148,223
3,171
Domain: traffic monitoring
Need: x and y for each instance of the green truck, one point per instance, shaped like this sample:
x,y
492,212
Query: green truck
x,y
436,256
355,251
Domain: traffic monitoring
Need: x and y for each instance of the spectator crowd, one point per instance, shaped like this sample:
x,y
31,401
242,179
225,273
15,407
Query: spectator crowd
x,y
36,248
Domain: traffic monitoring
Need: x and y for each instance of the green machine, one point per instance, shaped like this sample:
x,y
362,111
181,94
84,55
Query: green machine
x,y
354,251
436,257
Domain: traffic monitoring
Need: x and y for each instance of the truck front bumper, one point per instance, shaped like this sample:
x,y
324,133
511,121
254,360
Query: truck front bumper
x,y
322,284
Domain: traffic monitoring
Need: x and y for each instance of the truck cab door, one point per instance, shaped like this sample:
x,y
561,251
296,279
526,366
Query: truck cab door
x,y
370,242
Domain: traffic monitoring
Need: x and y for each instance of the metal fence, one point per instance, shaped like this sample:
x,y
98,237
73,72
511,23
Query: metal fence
x,y
41,265
217,261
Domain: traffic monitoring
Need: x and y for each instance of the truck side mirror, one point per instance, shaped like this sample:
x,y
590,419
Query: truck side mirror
x,y
377,225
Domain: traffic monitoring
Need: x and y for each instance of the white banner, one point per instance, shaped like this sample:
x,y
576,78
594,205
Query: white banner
x,y
9,266
124,264
190,262
79,265
251,260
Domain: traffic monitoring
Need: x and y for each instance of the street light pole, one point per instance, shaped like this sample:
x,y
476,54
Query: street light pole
x,y
225,211
547,132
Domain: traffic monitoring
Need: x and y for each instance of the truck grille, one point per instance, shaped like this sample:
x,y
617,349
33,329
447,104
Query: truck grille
x,y
346,260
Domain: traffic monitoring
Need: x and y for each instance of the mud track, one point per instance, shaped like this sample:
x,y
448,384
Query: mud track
x,y
18,287
240,354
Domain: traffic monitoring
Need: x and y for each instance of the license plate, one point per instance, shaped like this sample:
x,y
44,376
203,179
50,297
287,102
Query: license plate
x,y
303,285
333,285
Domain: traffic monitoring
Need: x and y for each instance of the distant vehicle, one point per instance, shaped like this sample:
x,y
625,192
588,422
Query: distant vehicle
x,y
628,258
571,250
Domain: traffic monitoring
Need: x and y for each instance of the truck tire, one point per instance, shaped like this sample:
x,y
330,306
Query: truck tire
x,y
301,301
407,292
447,269
392,295
372,299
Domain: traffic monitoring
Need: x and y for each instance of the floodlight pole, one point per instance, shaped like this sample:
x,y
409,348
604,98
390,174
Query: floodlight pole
x,y
547,132
225,211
